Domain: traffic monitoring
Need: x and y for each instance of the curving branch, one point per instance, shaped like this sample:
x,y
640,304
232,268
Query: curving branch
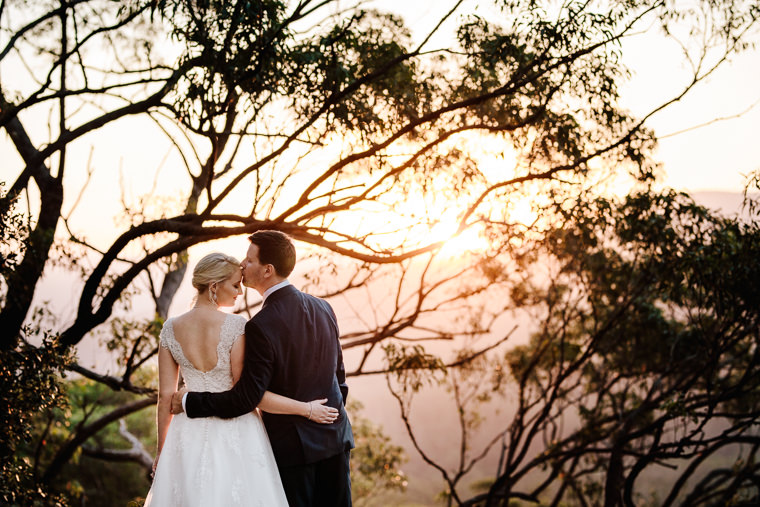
x,y
136,453
64,454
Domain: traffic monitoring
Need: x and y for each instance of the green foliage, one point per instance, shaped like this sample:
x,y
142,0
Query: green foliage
x,y
130,338
88,477
102,481
30,388
413,367
651,326
30,381
365,44
231,48
574,102
249,49
375,461
14,229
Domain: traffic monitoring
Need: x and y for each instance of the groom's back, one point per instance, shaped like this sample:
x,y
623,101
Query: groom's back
x,y
308,364
303,331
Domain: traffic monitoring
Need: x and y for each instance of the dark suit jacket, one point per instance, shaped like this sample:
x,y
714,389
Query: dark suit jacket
x,y
292,349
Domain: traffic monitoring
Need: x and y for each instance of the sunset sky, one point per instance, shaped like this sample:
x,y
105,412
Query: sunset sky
x,y
712,157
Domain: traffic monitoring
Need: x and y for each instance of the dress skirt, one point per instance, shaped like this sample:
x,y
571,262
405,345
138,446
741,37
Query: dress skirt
x,y
216,462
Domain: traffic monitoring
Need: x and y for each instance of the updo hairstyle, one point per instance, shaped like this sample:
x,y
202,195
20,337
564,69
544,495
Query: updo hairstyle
x,y
213,268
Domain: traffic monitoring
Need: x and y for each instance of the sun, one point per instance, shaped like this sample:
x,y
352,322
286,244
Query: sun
x,y
468,241
522,212
472,239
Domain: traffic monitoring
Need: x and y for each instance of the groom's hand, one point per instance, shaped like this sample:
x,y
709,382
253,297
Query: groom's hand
x,y
177,401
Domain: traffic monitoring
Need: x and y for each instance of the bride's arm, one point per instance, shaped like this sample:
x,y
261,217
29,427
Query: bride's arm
x,y
167,384
315,410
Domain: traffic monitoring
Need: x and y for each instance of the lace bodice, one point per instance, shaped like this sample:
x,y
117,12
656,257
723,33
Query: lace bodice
x,y
219,378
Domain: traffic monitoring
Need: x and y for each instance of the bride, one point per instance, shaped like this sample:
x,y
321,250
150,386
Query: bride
x,y
211,461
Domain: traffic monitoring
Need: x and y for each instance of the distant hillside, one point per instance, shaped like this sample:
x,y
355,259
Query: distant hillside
x,y
726,203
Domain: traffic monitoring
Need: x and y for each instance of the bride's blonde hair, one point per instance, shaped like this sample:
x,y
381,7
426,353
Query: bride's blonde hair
x,y
213,268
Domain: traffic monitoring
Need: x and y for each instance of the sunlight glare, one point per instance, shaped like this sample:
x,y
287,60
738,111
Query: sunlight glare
x,y
521,212
456,245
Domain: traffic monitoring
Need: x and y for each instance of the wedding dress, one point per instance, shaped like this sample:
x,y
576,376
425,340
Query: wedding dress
x,y
210,461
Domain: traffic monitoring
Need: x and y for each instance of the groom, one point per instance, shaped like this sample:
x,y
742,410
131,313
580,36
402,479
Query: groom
x,y
292,349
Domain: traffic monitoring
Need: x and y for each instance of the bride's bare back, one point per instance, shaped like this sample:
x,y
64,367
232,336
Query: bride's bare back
x,y
198,332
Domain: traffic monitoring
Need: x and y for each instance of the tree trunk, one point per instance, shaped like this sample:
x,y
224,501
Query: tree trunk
x,y
22,281
613,487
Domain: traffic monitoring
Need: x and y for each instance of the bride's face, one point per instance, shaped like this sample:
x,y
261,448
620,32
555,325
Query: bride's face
x,y
228,290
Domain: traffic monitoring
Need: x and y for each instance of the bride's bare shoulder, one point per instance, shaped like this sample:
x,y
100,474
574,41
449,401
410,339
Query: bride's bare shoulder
x,y
193,318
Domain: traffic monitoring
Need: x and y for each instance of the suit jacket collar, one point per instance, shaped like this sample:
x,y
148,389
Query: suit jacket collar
x,y
275,288
279,294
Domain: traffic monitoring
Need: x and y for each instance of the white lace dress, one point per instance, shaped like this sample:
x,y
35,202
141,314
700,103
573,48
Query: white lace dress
x,y
211,461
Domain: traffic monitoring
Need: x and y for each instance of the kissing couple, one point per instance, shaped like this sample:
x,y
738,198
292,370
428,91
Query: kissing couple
x,y
262,419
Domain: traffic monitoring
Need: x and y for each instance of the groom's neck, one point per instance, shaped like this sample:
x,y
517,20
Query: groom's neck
x,y
270,283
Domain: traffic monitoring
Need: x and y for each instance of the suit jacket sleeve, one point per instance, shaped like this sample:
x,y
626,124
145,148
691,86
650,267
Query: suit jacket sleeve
x,y
247,393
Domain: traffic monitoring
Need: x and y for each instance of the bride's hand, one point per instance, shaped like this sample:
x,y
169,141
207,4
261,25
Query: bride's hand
x,y
321,413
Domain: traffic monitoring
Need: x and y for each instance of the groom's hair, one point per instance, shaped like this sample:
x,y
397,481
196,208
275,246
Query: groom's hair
x,y
277,249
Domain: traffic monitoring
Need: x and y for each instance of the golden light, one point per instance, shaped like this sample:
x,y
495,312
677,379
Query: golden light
x,y
522,212
469,240
413,216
